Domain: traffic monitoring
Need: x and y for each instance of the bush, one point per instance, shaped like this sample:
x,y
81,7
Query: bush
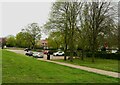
x,y
68,53
51,49
104,55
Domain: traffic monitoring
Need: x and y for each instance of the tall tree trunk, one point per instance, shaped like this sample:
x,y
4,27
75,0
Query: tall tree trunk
x,y
119,38
119,26
93,30
66,32
2,46
93,56
82,56
65,50
93,47
65,38
71,44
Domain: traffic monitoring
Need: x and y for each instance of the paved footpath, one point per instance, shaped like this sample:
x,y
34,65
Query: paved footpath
x,y
94,70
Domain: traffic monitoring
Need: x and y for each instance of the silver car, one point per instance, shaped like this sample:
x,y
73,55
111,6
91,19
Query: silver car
x,y
38,55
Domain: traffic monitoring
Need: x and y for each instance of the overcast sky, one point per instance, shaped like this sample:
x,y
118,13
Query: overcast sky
x,y
16,15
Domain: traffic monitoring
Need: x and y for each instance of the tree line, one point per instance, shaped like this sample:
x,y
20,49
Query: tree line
x,y
28,37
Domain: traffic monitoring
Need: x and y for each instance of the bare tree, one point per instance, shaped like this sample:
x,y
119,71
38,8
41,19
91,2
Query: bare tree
x,y
119,26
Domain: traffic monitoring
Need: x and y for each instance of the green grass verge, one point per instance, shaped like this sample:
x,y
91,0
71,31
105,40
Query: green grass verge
x,y
18,68
104,64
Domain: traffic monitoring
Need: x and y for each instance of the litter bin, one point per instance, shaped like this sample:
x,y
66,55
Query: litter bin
x,y
48,56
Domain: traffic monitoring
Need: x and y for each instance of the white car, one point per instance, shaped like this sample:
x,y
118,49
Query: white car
x,y
38,55
59,53
29,53
114,51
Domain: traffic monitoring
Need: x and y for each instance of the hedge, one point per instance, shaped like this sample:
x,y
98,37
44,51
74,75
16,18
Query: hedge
x,y
104,55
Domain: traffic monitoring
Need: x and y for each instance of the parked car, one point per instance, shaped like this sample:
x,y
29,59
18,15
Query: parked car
x,y
38,55
114,51
27,49
30,53
59,53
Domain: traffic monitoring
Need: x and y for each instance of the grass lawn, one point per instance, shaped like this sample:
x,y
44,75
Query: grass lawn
x,y
105,64
18,68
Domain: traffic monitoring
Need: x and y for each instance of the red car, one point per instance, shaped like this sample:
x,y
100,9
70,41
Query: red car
x,y
45,52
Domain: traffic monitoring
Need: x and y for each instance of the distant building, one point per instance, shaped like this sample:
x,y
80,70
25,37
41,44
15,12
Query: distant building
x,y
44,43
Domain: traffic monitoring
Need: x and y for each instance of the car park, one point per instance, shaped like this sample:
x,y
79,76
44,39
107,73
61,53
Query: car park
x,y
38,55
59,53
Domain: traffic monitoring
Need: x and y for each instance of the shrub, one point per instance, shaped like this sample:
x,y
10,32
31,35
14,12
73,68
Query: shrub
x,y
104,55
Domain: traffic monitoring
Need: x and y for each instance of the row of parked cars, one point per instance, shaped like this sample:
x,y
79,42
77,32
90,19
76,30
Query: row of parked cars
x,y
40,54
35,54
